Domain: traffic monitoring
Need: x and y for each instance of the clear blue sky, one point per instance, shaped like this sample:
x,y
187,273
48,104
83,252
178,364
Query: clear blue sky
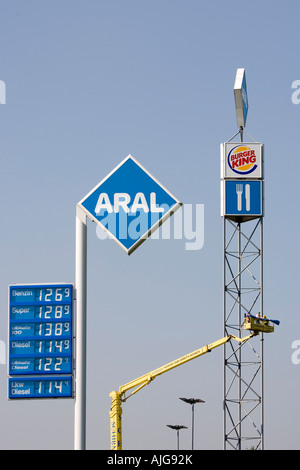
x,y
90,82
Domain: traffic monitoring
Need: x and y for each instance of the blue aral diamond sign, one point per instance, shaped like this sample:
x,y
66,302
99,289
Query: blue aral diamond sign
x,y
129,204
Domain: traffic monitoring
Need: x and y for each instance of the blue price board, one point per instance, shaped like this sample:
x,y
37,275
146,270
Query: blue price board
x,y
40,337
40,387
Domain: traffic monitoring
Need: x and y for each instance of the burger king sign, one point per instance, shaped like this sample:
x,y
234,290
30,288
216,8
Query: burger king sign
x,y
241,160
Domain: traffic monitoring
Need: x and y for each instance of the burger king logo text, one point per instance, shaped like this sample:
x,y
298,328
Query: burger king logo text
x,y
242,160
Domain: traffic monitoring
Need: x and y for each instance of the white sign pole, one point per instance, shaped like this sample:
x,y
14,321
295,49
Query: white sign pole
x,y
80,347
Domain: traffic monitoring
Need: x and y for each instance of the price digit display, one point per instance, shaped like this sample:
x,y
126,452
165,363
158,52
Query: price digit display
x,y
40,339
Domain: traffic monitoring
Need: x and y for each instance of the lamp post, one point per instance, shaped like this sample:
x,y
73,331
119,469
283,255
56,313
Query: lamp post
x,y
192,401
177,427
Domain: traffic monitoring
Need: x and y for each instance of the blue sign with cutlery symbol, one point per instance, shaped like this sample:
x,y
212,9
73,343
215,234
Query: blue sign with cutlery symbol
x,y
243,198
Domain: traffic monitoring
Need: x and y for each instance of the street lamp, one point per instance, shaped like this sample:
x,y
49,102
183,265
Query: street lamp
x,y
177,427
192,401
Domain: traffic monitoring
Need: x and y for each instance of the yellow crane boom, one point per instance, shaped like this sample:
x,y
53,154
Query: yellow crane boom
x,y
119,396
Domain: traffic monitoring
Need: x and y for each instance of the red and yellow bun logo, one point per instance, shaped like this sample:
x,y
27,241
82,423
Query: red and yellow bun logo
x,y
242,160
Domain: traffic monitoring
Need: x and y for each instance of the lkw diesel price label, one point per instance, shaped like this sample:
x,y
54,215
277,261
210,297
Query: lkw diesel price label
x,y
41,387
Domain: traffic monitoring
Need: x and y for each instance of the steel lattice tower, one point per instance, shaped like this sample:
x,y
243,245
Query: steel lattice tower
x,y
242,208
243,364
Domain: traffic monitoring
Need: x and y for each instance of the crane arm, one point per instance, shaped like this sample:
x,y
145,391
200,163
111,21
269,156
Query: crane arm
x,y
145,379
140,382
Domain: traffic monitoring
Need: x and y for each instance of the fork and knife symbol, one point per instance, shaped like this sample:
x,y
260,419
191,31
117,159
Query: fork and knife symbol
x,y
239,192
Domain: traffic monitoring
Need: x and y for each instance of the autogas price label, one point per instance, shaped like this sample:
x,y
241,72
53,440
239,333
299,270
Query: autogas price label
x,y
40,332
